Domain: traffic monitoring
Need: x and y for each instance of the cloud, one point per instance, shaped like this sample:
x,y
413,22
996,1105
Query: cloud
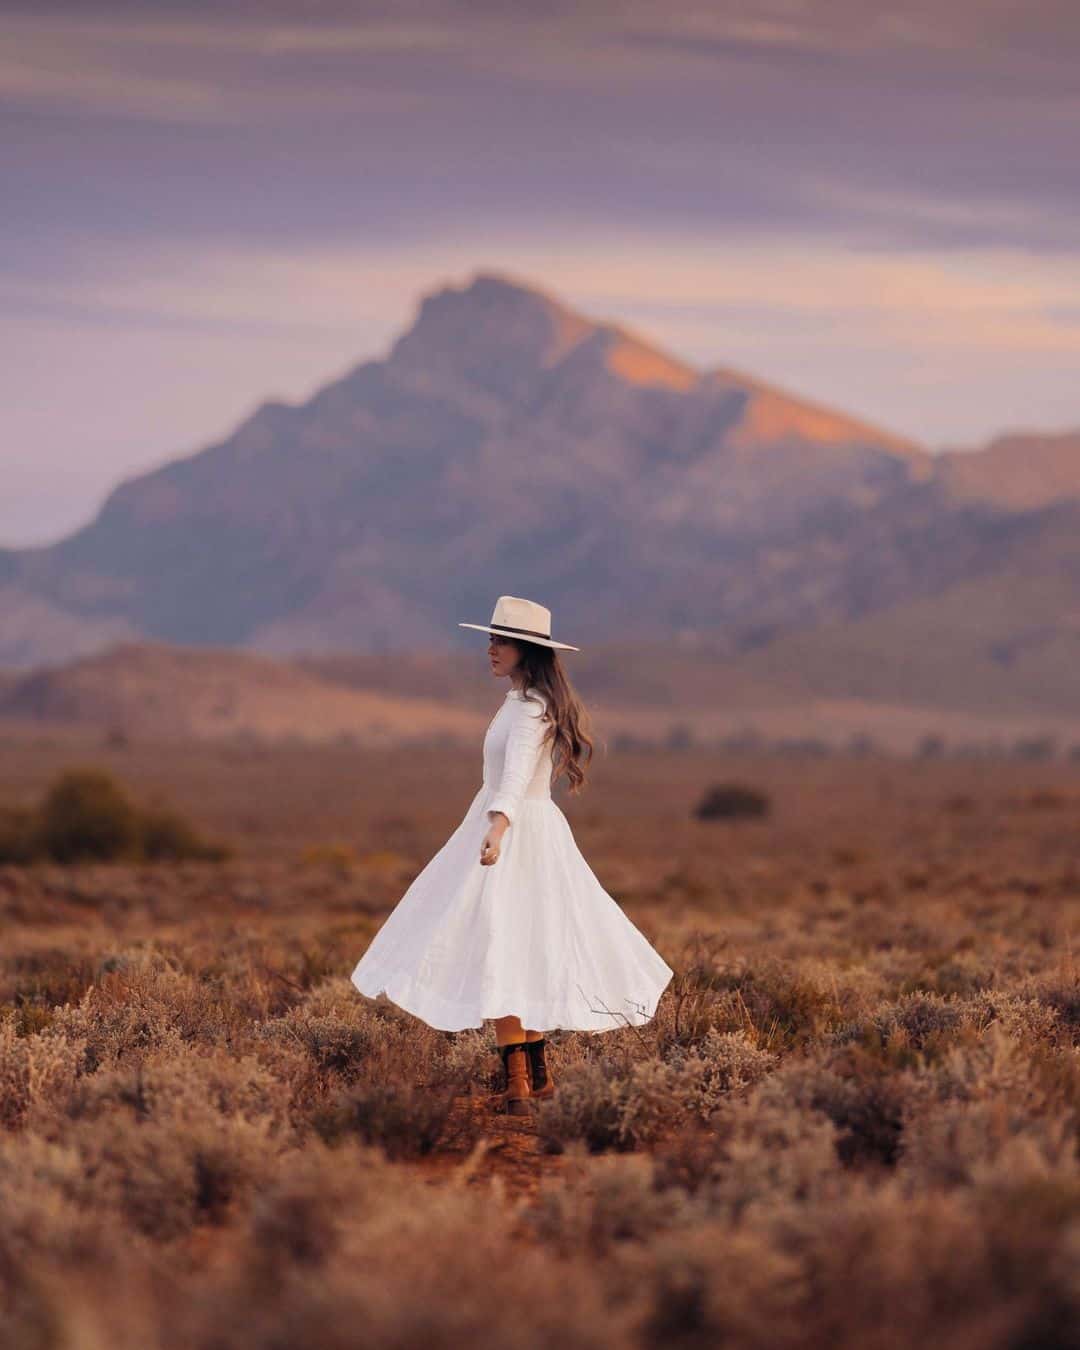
x,y
593,45
935,126
871,204
1003,299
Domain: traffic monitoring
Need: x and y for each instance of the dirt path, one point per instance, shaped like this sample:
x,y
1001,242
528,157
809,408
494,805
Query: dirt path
x,y
482,1144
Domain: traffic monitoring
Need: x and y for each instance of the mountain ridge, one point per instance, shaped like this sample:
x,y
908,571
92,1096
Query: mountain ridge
x,y
507,442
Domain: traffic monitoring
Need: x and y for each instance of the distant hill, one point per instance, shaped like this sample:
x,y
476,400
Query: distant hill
x,y
1003,642
1018,472
507,443
157,692
860,680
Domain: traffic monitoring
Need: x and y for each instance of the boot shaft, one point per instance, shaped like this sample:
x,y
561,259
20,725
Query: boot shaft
x,y
516,1066
538,1069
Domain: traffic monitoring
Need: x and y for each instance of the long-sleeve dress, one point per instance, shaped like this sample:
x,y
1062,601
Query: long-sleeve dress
x,y
533,934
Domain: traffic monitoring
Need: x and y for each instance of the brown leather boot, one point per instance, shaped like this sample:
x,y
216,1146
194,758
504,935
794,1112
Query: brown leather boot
x,y
515,1096
541,1081
497,1099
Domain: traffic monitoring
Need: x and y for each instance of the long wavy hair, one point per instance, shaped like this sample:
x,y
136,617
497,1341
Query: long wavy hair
x,y
570,723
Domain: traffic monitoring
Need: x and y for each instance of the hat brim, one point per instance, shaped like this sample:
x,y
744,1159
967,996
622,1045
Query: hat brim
x,y
540,642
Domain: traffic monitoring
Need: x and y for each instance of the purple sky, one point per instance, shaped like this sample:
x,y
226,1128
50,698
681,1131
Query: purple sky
x,y
874,205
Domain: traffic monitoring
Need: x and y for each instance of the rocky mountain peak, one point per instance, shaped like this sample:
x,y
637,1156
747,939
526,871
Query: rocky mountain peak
x,y
505,429
493,333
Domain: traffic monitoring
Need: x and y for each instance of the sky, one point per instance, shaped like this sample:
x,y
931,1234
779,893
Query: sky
x,y
873,205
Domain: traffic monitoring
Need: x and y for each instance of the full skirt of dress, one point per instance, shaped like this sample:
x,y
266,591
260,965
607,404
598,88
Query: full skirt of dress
x,y
533,934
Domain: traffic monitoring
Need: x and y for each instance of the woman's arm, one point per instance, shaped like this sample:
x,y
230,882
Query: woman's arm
x,y
523,749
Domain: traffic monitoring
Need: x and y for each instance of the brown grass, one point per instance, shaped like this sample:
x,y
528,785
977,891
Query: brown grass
x,y
854,1121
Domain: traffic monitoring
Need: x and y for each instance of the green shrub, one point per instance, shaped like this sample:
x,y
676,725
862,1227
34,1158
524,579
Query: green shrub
x,y
87,815
732,801
165,834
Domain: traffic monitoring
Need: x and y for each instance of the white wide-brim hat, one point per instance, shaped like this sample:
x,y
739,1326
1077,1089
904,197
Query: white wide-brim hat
x,y
522,619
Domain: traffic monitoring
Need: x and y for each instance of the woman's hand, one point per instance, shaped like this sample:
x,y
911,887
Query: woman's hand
x,y
490,848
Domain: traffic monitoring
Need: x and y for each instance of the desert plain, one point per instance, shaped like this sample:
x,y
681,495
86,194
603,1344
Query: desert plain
x,y
853,1122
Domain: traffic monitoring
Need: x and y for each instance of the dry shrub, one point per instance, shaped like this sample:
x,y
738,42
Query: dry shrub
x,y
609,1108
856,1092
344,1252
771,1150
164,834
46,1198
587,1106
143,1004
35,1071
721,1063
194,1081
961,1143
985,1064
779,1005
885,1267
924,1020
761,1150
43,978
688,1015
986,1109
172,1140
692,1279
961,976
28,1017
732,801
787,1006
823,1259
336,857
403,1120
711,1285
1047,799
626,1201
20,841
349,1039
292,1227
656,1099
1062,994
164,1178
1019,1014
470,1057
158,1174
698,997
337,1046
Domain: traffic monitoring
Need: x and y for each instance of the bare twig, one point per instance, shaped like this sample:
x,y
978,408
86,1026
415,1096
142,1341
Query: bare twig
x,y
639,1009
269,970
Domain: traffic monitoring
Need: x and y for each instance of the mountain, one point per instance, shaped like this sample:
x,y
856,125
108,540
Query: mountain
x,y
1003,642
1022,471
506,443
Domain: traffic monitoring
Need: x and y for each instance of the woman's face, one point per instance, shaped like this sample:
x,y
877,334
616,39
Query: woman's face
x,y
503,653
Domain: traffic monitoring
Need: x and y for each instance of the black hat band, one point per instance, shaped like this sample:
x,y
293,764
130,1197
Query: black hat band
x,y
531,632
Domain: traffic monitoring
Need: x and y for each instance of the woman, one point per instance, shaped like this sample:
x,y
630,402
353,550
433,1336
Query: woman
x,y
507,921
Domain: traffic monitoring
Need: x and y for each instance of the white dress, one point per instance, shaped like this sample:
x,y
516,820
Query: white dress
x,y
533,934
